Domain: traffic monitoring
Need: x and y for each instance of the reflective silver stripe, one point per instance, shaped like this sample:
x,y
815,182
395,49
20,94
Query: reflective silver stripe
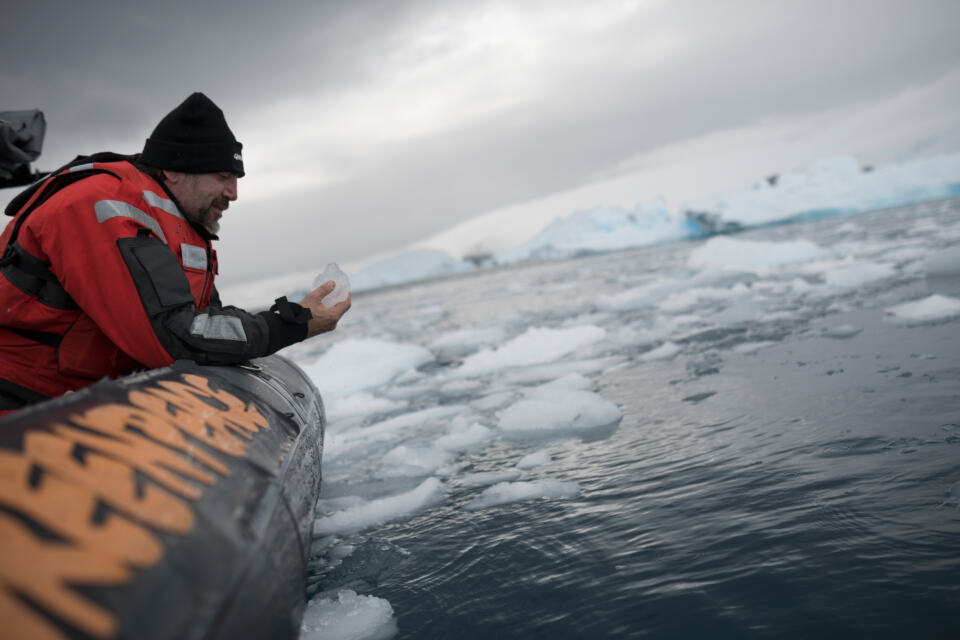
x,y
193,257
218,327
162,203
107,209
82,167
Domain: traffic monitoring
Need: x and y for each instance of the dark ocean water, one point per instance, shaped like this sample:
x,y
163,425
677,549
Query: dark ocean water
x,y
794,472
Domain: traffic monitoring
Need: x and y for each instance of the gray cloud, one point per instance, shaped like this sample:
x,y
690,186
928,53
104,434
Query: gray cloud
x,y
104,77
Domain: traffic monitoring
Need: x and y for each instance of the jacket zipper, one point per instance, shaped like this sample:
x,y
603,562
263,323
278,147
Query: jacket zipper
x,y
206,277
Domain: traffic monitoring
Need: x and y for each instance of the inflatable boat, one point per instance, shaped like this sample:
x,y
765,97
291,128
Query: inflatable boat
x,y
175,503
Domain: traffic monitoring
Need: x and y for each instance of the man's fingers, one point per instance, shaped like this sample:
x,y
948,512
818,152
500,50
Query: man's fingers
x,y
326,287
324,318
343,304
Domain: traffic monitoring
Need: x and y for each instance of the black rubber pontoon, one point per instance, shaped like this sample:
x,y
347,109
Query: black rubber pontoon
x,y
176,503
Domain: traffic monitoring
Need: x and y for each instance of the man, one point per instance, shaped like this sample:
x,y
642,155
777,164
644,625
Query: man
x,y
108,267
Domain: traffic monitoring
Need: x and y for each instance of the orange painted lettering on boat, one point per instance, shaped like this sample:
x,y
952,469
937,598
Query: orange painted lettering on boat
x,y
77,480
42,570
68,511
28,623
113,482
199,418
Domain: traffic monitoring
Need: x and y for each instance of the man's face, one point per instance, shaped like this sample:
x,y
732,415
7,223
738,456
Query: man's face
x,y
204,197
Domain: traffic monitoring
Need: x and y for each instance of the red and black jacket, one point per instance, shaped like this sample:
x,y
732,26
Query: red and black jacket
x,y
102,275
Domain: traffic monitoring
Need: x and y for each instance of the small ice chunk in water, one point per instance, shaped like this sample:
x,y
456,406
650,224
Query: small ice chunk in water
x,y
665,351
341,551
359,404
931,309
355,518
842,331
722,252
342,289
746,348
858,274
507,492
642,296
573,380
411,461
535,346
348,617
547,410
532,460
494,401
801,286
552,371
465,341
353,365
698,297
485,478
463,437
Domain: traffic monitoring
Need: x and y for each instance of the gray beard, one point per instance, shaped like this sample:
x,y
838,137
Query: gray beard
x,y
205,220
212,226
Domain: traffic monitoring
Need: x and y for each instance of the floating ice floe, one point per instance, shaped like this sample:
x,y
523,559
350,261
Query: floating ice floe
x,y
358,442
493,401
463,436
355,365
375,512
535,346
573,380
413,462
858,274
637,297
548,410
348,616
359,404
694,298
801,286
507,492
666,351
747,348
553,371
935,308
722,252
465,341
533,460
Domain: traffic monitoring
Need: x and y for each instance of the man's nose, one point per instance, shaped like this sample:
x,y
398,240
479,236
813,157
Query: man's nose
x,y
230,189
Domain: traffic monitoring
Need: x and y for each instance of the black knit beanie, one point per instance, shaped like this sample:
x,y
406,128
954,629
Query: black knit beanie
x,y
194,138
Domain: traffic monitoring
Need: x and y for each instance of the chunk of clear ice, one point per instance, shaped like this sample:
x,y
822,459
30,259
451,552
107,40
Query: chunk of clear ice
x,y
341,291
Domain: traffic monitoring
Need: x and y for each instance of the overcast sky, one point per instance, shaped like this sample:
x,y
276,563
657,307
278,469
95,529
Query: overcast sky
x,y
369,125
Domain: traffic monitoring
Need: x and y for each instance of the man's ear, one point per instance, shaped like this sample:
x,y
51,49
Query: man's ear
x,y
173,177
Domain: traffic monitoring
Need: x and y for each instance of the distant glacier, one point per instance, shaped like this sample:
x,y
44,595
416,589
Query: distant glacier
x,y
830,187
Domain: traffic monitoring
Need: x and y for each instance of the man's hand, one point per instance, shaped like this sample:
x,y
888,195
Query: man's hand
x,y
324,318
